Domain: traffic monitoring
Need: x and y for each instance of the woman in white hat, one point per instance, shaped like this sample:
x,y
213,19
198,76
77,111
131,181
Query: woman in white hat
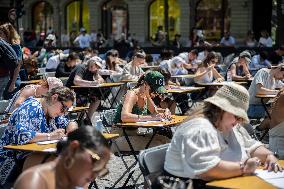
x,y
212,144
33,90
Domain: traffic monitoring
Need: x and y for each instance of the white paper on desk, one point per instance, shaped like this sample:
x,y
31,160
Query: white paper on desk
x,y
47,142
150,122
50,150
264,174
276,179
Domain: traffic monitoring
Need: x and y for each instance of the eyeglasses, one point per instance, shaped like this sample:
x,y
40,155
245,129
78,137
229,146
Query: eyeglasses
x,y
64,108
95,157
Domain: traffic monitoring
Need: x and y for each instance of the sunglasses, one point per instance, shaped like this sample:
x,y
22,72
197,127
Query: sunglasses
x,y
114,55
64,108
215,62
95,157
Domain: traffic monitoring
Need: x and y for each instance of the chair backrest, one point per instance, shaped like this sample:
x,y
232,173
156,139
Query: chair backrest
x,y
151,162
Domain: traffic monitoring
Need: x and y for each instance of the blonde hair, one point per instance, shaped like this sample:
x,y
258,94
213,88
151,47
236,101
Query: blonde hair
x,y
10,33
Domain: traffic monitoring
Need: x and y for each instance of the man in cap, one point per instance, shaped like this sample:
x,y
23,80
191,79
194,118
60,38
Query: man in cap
x,y
84,40
239,68
87,75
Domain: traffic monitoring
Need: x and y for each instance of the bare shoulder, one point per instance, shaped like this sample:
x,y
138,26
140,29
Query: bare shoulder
x,y
31,179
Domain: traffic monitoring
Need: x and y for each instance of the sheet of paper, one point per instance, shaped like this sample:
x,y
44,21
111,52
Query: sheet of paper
x,y
50,150
264,174
47,142
276,179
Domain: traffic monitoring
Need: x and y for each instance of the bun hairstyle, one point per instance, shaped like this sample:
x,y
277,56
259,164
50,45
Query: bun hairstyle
x,y
87,136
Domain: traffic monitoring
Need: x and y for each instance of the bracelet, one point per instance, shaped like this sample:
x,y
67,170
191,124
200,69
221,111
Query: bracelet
x,y
48,136
242,167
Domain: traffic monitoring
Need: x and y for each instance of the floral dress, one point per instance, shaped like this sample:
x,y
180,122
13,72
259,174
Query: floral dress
x,y
22,127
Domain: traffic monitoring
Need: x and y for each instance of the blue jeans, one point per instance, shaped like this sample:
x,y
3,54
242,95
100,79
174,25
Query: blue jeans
x,y
256,111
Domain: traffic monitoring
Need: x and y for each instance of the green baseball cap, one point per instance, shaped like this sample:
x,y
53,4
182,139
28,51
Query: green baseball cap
x,y
156,81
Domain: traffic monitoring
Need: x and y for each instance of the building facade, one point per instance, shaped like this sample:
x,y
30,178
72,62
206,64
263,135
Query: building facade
x,y
140,18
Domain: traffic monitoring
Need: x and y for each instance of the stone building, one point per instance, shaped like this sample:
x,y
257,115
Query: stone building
x,y
141,18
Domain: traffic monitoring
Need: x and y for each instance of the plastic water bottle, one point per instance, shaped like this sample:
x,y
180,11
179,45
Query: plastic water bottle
x,y
99,124
229,76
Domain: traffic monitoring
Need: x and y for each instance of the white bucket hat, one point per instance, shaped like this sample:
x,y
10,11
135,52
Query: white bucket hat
x,y
232,98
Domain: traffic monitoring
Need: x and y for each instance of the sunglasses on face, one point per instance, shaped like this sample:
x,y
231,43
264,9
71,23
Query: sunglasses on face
x,y
114,55
95,157
64,108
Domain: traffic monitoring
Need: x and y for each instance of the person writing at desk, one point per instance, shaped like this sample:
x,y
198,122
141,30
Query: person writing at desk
x,y
138,105
212,144
34,120
265,82
83,157
239,69
86,75
206,72
33,90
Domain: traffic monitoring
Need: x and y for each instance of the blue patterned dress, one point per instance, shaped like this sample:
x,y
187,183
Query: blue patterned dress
x,y
23,125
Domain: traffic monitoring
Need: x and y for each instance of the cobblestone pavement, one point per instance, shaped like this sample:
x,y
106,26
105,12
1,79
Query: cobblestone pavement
x,y
116,169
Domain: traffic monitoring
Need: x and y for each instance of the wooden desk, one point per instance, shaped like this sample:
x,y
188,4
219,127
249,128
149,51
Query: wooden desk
x,y
30,82
175,120
218,83
102,85
244,182
34,147
149,67
183,76
180,89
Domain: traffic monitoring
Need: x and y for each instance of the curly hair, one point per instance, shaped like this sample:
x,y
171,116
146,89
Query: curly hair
x,y
11,33
64,94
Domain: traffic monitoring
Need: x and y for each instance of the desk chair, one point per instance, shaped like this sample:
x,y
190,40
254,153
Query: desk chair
x,y
151,162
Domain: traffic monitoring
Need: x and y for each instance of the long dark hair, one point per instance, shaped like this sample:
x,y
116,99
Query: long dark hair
x,y
209,57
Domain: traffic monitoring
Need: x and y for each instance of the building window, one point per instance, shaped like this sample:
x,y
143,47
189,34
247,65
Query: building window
x,y
42,17
115,18
157,17
213,17
77,15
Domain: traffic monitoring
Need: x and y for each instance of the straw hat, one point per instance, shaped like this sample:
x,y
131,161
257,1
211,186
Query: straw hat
x,y
232,98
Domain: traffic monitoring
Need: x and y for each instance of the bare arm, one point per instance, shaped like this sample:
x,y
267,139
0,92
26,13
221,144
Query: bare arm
x,y
78,81
57,134
234,73
224,169
126,113
217,75
25,93
262,90
201,72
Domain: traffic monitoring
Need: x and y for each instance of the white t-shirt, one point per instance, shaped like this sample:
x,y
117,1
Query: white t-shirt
x,y
266,80
198,146
265,42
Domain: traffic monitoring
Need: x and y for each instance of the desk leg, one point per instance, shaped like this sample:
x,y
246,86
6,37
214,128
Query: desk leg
x,y
265,108
113,101
129,143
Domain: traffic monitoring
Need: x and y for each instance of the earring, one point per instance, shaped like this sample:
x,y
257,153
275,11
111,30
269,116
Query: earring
x,y
68,163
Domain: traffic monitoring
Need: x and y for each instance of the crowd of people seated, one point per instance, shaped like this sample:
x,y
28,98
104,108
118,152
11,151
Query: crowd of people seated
x,y
212,143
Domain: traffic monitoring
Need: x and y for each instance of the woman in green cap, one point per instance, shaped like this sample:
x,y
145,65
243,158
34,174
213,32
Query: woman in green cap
x,y
138,105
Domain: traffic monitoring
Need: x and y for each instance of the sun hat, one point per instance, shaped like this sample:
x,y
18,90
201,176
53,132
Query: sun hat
x,y
232,98
156,81
54,82
246,55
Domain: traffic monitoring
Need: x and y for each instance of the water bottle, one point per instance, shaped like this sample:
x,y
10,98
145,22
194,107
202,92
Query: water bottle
x,y
229,76
99,124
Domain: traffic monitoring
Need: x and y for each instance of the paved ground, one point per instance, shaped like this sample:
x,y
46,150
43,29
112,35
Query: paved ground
x,y
117,168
